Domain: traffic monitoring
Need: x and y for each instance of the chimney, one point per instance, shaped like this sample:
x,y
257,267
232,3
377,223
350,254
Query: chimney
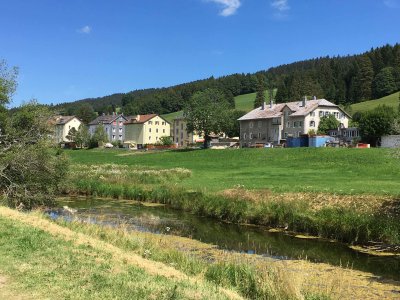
x,y
137,118
304,101
271,103
263,106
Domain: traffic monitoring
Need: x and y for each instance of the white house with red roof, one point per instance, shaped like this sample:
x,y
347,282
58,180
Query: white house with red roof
x,y
274,122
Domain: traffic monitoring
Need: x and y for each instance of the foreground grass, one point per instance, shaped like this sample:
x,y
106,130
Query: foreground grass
x,y
83,261
390,100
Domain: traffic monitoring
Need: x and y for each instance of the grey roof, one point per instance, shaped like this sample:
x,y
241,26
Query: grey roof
x,y
62,120
296,107
106,119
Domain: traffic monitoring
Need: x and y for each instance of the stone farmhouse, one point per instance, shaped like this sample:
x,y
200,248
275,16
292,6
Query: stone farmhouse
x,y
273,123
145,129
113,126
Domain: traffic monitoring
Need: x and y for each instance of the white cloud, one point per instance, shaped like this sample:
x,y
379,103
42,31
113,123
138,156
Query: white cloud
x,y
391,3
280,5
229,6
85,30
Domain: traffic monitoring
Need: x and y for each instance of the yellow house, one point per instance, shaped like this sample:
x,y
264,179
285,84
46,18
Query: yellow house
x,y
181,136
145,129
63,125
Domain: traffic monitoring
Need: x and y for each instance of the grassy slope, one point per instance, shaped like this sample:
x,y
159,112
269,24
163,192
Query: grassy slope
x,y
391,100
242,102
47,261
347,171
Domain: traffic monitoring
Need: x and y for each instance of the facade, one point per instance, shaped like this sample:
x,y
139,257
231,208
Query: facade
x,y
62,125
347,135
113,126
181,136
275,122
145,129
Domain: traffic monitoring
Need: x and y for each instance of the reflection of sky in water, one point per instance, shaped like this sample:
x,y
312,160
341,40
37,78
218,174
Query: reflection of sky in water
x,y
230,237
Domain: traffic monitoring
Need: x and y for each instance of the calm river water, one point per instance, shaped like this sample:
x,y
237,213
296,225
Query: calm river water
x,y
248,239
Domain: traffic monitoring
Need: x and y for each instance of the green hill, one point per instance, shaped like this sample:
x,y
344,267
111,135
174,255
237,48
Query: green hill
x,y
243,102
390,100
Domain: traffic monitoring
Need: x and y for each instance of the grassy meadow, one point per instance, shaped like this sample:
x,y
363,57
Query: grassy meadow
x,y
390,100
350,195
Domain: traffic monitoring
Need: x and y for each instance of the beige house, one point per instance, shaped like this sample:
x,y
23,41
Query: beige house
x,y
145,129
181,136
274,122
63,125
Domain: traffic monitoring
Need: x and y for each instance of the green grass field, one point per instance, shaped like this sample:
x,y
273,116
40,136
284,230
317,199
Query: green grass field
x,y
342,171
391,100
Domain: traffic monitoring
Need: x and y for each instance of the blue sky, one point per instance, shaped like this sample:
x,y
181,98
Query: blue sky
x,y
73,49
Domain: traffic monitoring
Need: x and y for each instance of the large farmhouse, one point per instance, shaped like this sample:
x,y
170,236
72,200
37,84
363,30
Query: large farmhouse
x,y
274,122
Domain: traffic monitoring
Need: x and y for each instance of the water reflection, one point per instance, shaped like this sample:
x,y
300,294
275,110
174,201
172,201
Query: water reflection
x,y
247,239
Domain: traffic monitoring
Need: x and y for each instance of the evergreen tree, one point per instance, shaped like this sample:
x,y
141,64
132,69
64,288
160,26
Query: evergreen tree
x,y
363,79
260,96
384,83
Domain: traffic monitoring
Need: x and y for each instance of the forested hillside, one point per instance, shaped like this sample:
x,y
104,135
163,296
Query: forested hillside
x,y
343,80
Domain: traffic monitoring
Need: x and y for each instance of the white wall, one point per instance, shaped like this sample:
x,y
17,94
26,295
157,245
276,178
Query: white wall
x,y
390,141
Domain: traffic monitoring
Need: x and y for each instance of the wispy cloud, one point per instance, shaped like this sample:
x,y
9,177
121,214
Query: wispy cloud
x,y
281,8
229,7
85,30
392,3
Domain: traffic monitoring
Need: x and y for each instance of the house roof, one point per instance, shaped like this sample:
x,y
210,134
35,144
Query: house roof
x,y
296,107
62,120
106,119
142,119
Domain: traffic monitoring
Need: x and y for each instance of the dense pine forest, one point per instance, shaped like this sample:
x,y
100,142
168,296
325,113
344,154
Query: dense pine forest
x,y
342,80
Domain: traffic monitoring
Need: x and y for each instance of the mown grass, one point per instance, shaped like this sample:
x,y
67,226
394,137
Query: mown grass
x,y
49,267
390,100
337,171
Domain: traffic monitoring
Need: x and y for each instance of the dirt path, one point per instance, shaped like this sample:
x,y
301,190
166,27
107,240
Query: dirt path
x,y
151,267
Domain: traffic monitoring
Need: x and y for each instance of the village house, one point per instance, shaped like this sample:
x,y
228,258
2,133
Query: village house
x,y
181,136
113,126
274,123
62,125
145,129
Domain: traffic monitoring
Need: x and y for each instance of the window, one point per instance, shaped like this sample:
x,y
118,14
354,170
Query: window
x,y
298,133
285,135
156,130
177,140
156,138
149,138
321,113
181,126
120,136
251,136
177,131
113,129
342,115
312,114
113,137
163,131
149,129
181,135
150,122
295,124
120,123
300,123
327,113
259,135
244,136
288,124
157,123
259,124
162,123
120,130
312,123
251,125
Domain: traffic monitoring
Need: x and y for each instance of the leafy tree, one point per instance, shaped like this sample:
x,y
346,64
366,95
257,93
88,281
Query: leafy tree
x,y
85,113
166,140
82,137
232,126
206,112
260,96
30,171
99,136
327,123
8,83
376,123
384,83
